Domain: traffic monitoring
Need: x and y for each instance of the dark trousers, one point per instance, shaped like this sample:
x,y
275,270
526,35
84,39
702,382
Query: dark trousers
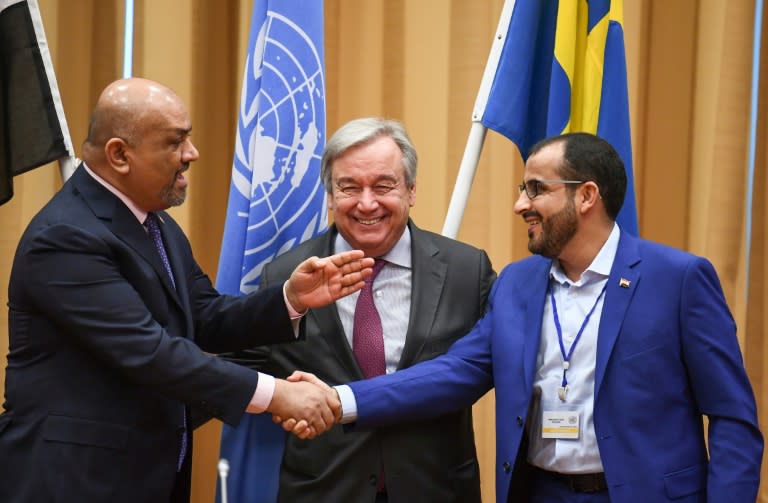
x,y
547,488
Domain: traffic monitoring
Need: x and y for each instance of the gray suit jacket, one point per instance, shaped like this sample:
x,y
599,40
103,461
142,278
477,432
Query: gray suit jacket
x,y
431,460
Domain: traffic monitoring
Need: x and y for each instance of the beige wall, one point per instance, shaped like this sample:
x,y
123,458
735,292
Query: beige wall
x,y
421,61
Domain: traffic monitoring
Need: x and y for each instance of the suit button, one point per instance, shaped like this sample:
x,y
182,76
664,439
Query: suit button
x,y
506,466
519,421
372,480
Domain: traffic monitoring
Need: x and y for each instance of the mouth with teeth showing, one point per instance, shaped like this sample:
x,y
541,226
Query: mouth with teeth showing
x,y
371,221
533,221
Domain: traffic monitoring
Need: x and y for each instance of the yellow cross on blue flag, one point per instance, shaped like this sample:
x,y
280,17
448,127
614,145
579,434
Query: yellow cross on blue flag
x,y
562,68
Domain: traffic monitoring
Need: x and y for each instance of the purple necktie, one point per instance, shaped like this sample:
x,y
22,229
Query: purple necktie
x,y
368,337
154,232
153,228
367,334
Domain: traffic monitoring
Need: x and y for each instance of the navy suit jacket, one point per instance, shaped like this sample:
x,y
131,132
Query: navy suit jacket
x,y
105,354
667,354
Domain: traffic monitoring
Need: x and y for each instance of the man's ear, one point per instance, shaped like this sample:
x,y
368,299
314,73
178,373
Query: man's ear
x,y
587,196
115,151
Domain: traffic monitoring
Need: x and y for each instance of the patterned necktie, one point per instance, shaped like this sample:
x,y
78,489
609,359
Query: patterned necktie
x,y
153,228
368,338
154,232
367,334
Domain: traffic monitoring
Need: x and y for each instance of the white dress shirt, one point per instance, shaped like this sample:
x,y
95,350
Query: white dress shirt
x,y
391,295
573,300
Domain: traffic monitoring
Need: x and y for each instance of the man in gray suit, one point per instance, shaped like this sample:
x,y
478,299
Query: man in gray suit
x,y
429,292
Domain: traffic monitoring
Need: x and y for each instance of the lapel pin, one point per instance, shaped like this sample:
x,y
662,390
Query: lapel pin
x,y
624,283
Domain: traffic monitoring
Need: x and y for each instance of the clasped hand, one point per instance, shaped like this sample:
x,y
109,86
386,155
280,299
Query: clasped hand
x,y
304,405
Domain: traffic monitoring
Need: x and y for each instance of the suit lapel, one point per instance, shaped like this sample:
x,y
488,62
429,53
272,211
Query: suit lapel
x,y
122,223
427,281
534,317
622,284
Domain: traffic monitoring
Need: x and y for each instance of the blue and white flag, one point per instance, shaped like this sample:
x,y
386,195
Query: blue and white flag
x,y
276,198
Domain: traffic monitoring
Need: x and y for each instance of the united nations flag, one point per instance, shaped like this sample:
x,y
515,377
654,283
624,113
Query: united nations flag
x,y
276,198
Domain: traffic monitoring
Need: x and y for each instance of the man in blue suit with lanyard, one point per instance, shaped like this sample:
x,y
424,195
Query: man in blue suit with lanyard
x,y
605,350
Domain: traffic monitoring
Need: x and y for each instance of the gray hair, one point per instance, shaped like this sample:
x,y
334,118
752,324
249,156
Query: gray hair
x,y
360,131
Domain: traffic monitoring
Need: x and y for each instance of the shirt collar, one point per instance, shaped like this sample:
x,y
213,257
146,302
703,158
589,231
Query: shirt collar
x,y
600,268
140,214
400,254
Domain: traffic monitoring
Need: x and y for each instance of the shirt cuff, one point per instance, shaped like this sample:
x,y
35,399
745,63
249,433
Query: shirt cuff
x,y
348,403
293,313
262,397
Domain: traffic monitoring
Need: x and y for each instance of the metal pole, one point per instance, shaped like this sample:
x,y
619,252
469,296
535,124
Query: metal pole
x,y
752,135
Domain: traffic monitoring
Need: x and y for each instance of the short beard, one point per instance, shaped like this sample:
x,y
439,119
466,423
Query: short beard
x,y
172,196
556,231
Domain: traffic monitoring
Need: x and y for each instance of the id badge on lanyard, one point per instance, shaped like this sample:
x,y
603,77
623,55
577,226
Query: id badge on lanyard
x,y
560,420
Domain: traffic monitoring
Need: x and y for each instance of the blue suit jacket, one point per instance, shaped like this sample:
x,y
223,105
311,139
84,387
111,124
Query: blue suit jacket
x,y
667,354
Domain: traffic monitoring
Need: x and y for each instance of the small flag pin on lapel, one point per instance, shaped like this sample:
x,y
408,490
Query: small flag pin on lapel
x,y
624,283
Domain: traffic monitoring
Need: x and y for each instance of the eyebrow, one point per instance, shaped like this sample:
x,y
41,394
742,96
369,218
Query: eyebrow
x,y
179,131
382,178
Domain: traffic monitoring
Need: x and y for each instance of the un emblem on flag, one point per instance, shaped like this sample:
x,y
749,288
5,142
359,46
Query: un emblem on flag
x,y
280,138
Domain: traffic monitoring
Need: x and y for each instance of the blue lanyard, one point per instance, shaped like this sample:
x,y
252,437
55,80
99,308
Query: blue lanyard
x,y
567,357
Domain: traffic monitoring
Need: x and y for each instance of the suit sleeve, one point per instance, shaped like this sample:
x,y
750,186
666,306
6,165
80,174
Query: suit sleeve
x,y
452,381
78,281
721,387
258,357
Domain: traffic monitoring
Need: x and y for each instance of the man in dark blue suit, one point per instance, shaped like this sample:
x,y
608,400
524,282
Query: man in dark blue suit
x,y
606,352
109,320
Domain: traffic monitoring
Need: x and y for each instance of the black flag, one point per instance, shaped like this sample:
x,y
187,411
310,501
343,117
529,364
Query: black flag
x,y
33,130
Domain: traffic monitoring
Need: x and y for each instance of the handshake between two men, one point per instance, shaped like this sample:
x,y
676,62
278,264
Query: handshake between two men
x,y
305,405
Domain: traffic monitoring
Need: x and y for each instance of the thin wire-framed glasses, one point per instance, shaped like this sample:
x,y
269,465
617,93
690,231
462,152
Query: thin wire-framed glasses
x,y
532,188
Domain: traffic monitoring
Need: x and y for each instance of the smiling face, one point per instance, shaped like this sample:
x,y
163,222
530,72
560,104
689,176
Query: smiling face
x,y
369,198
551,215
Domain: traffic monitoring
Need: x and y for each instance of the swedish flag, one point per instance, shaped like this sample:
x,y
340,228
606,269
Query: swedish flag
x,y
562,68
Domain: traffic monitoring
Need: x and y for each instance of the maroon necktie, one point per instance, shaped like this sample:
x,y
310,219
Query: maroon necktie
x,y
368,337
153,228
367,334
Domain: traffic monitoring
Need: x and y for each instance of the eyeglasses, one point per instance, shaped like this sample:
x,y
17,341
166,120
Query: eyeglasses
x,y
532,188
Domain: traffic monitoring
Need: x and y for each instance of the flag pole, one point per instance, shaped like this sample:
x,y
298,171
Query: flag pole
x,y
128,40
67,163
754,99
476,139
464,179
